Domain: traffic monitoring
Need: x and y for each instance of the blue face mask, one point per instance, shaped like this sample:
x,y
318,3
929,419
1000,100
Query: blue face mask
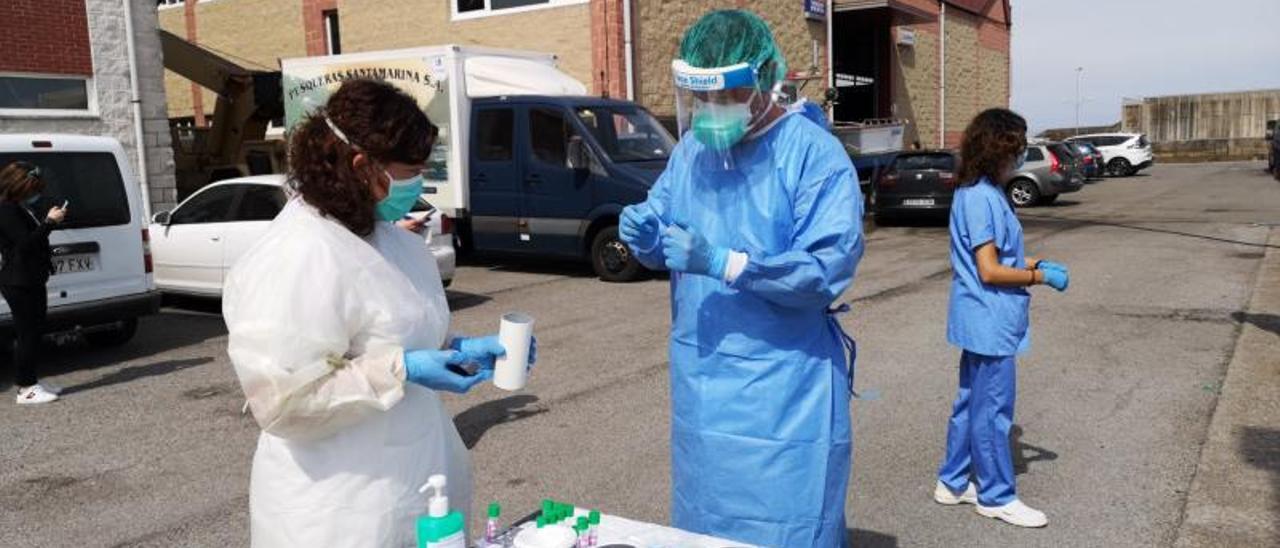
x,y
1020,161
401,196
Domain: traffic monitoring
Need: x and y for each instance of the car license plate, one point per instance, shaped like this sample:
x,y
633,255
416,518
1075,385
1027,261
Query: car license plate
x,y
71,264
925,202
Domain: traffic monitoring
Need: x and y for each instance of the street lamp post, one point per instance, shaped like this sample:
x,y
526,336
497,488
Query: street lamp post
x,y
1079,75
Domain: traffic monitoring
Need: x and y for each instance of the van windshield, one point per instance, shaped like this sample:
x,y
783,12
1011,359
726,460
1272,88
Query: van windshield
x,y
627,134
89,182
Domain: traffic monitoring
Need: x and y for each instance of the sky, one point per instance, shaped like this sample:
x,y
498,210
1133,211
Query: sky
x,y
1134,49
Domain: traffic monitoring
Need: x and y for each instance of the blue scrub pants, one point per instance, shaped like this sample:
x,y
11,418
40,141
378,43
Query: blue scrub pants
x,y
978,433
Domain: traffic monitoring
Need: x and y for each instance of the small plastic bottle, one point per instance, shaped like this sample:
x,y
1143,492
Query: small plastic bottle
x,y
584,538
491,526
593,533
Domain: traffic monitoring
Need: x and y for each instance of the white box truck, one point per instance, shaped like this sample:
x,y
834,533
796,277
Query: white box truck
x,y
525,162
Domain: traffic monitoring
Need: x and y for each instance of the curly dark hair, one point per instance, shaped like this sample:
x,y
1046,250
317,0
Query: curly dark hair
x,y
993,139
377,119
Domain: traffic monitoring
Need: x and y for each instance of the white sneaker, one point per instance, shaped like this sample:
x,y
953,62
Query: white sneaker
x,y
51,388
35,394
943,495
1015,513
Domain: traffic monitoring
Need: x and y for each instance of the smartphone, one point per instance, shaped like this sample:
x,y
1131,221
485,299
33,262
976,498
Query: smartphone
x,y
465,370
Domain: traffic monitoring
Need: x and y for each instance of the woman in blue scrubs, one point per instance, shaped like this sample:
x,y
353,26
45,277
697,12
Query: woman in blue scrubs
x,y
987,319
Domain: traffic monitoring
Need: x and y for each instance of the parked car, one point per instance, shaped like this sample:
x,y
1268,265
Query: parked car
x,y
1093,161
102,281
919,182
1273,148
1124,154
1050,170
197,242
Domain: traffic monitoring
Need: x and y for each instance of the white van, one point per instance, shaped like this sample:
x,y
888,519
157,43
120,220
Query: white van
x,y
102,282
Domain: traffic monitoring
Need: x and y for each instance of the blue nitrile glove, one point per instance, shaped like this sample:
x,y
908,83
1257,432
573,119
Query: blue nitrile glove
x,y
1050,265
1057,279
639,227
687,251
430,368
485,350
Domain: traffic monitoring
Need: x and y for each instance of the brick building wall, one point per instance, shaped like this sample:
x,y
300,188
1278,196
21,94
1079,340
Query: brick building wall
x,y
257,33
376,24
252,33
45,37
314,26
915,85
659,26
977,69
109,67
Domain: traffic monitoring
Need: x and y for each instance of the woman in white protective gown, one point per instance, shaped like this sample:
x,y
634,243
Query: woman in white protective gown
x,y
339,336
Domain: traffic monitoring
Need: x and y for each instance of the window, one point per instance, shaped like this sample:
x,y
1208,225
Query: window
x,y
1062,151
919,162
211,206
260,203
481,8
89,181
53,94
495,133
549,134
169,3
627,135
332,39
1143,142
1035,155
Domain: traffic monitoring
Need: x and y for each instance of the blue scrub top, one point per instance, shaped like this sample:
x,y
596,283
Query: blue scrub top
x,y
986,319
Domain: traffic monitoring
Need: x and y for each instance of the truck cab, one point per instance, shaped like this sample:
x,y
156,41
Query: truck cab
x,y
549,176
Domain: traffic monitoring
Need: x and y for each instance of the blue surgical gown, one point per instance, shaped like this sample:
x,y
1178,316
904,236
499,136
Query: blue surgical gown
x,y
761,442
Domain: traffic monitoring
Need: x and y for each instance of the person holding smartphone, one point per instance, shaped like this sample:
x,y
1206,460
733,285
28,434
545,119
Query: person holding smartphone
x,y
988,321
28,263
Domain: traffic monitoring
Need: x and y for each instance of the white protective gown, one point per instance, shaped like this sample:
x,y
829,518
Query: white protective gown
x,y
319,319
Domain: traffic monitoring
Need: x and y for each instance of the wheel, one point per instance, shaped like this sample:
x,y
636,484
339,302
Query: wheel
x,y
116,335
1024,193
612,259
1119,167
1049,199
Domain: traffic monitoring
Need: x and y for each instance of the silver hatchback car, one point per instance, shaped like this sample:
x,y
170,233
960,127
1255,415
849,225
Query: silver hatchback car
x,y
1051,169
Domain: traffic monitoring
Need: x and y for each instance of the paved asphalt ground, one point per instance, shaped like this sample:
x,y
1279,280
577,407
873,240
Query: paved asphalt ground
x,y
149,448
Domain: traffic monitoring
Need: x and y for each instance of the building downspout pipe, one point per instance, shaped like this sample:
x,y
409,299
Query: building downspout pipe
x,y
831,59
626,49
135,99
942,74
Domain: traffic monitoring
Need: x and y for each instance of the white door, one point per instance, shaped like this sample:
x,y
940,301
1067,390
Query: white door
x,y
188,251
259,205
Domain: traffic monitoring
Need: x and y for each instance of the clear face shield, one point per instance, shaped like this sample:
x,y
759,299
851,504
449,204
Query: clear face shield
x,y
716,105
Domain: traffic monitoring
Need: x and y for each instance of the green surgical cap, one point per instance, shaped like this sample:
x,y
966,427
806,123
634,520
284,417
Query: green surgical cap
x,y
728,37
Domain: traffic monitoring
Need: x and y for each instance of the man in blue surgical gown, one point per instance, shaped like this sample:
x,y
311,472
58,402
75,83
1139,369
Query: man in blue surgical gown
x,y
758,216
